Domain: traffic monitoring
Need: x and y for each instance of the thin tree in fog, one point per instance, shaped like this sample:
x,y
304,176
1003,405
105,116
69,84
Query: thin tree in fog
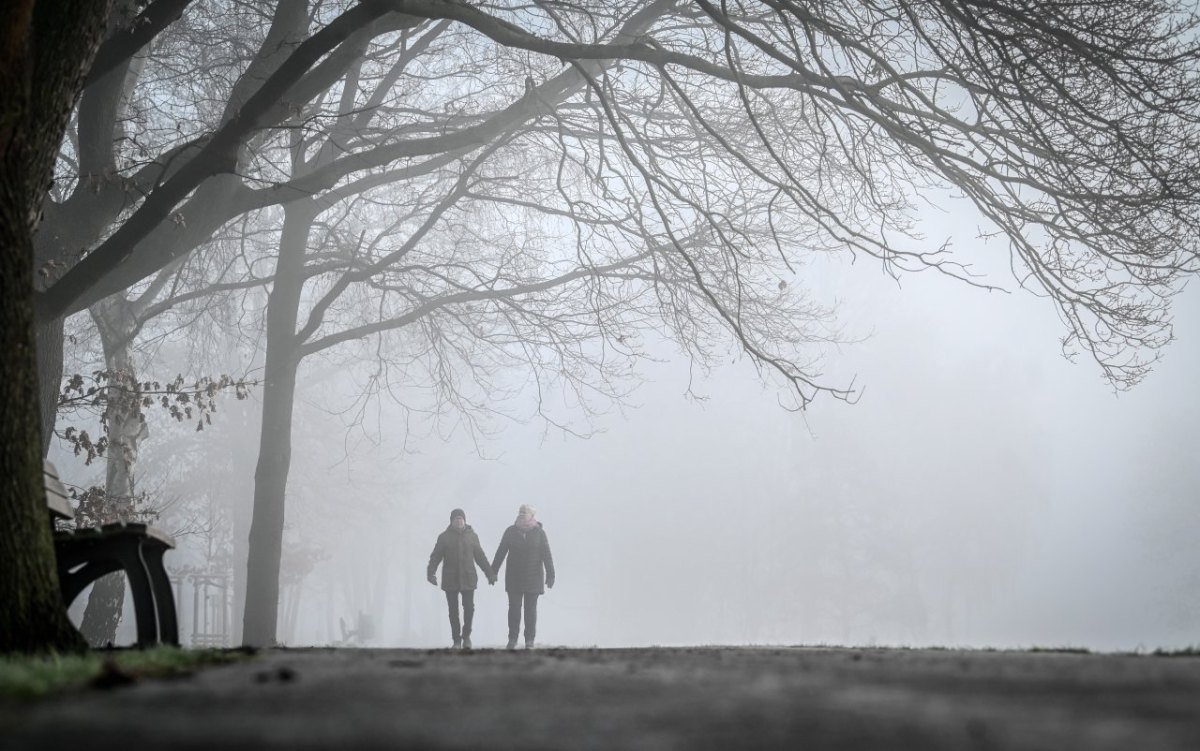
x,y
470,253
1071,130
187,290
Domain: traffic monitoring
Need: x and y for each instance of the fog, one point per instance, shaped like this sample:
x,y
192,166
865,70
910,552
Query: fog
x,y
499,276
981,491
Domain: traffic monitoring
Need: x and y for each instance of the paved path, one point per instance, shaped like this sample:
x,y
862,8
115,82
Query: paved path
x,y
703,698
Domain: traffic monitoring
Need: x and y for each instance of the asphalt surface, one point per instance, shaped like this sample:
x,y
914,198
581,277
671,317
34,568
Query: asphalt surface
x,y
698,698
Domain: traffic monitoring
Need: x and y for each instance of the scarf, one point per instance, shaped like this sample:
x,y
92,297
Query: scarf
x,y
525,523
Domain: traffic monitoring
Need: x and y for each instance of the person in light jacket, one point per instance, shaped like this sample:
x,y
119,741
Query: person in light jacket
x,y
458,550
530,570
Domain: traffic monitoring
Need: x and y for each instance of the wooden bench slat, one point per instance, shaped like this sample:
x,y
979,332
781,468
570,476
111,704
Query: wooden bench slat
x,y
120,528
57,498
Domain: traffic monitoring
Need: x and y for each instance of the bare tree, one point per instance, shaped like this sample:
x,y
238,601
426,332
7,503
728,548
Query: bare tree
x,y
127,392
739,138
1048,123
822,154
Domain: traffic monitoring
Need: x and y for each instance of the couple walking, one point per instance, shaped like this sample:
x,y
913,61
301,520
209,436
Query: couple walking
x,y
530,570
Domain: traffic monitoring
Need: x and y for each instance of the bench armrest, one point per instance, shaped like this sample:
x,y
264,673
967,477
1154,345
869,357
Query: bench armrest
x,y
57,499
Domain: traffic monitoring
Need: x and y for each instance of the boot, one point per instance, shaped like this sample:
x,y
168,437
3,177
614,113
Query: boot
x,y
512,643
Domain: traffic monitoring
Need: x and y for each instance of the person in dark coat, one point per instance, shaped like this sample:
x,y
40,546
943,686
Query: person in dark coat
x,y
530,566
458,550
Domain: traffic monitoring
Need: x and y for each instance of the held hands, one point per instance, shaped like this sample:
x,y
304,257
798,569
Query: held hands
x,y
432,579
491,581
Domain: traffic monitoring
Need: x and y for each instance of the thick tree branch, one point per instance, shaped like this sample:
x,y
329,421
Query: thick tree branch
x,y
218,155
122,46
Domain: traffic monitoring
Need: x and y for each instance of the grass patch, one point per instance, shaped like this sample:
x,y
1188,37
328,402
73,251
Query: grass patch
x,y
34,676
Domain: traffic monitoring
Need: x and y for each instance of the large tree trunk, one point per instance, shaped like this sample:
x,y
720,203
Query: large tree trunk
x,y
45,47
261,614
32,617
117,324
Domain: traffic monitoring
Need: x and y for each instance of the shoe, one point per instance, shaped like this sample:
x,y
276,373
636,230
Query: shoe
x,y
457,644
466,642
512,644
528,645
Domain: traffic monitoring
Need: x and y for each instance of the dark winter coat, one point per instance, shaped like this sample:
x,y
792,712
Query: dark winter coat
x,y
460,549
528,558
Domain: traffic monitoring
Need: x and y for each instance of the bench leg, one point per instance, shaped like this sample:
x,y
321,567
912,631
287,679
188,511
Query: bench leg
x,y
144,602
115,549
73,582
143,597
164,597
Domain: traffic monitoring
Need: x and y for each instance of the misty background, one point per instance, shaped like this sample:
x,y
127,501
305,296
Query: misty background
x,y
982,491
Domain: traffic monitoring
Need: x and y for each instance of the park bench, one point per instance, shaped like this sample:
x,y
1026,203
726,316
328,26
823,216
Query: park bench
x,y
86,554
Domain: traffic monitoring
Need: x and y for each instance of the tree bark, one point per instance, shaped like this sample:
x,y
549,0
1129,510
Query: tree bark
x,y
32,617
49,377
261,613
45,48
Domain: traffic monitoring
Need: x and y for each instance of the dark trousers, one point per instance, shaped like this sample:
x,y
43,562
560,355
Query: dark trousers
x,y
468,611
515,600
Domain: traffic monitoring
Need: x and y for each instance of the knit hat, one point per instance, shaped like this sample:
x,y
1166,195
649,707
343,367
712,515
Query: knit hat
x,y
458,512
